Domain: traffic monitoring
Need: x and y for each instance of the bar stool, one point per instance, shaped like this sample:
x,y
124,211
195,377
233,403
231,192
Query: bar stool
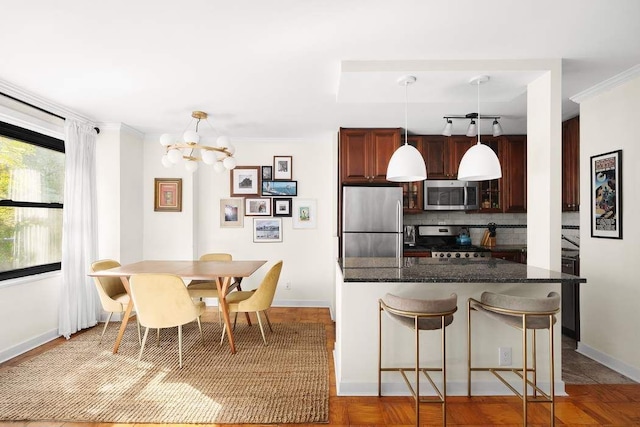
x,y
418,314
522,313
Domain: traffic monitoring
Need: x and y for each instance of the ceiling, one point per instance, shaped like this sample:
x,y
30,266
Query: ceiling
x,y
279,68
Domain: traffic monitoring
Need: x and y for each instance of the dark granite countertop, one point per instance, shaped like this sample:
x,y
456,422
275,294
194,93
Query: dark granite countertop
x,y
439,270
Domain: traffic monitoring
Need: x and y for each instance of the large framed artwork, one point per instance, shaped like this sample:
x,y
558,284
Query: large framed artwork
x,y
168,195
606,195
231,212
245,181
267,230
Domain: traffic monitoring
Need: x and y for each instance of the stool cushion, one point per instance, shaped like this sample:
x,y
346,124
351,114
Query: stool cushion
x,y
519,305
421,307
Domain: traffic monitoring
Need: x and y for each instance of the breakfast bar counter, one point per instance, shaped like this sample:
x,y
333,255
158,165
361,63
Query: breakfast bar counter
x,y
361,282
448,270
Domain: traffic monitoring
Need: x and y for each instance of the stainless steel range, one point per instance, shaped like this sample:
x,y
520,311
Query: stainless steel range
x,y
446,241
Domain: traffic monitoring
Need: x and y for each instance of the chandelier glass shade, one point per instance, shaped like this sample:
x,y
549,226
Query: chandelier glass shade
x,y
406,163
480,162
187,150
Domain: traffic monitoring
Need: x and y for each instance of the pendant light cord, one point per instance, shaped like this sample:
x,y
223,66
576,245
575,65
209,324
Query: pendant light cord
x,y
478,83
406,114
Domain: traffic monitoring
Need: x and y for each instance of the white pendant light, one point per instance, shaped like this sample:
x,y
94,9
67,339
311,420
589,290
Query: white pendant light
x,y
406,164
480,162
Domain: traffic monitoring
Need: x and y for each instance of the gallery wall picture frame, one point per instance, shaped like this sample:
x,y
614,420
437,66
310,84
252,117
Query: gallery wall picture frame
x,y
245,181
279,188
282,168
282,206
606,195
168,195
267,173
232,212
257,206
305,213
267,230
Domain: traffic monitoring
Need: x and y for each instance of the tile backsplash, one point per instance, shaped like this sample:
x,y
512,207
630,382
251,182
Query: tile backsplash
x,y
511,227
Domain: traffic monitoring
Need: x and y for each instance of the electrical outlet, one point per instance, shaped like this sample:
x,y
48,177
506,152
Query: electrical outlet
x,y
287,286
504,356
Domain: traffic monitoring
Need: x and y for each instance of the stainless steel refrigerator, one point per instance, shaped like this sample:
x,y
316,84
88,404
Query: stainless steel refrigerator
x,y
372,222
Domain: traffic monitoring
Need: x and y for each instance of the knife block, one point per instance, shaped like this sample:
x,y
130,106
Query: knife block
x,y
487,240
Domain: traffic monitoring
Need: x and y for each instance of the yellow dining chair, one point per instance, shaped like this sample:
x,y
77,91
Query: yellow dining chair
x,y
257,300
162,301
113,295
208,289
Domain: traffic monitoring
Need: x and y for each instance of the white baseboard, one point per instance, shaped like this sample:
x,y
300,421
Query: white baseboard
x,y
30,344
610,362
213,302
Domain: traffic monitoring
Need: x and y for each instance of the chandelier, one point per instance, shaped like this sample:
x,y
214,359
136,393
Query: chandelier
x,y
220,156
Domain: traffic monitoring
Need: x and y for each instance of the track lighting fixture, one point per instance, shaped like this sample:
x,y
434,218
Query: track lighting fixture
x,y
472,129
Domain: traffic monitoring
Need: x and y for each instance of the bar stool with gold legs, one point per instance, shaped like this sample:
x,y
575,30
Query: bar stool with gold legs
x,y
525,314
419,315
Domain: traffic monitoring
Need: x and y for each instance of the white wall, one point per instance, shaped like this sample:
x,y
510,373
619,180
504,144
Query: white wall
x,y
609,312
308,254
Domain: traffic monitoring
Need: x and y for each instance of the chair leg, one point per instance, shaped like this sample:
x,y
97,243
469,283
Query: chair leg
x,y
379,349
224,329
200,327
261,328
468,348
158,338
268,321
417,396
524,370
180,345
139,334
444,372
144,340
105,326
552,388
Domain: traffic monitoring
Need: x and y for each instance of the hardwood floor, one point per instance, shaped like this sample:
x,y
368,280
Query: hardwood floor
x,y
587,404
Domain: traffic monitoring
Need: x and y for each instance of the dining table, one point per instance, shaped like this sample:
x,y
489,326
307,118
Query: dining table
x,y
220,272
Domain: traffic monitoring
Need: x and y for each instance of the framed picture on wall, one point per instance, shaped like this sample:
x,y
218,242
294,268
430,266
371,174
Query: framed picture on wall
x,y
267,230
606,195
257,206
279,188
231,212
304,213
168,195
267,173
245,181
282,167
282,206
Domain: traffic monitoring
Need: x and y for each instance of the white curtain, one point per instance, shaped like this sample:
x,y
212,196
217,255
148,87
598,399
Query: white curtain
x,y
79,303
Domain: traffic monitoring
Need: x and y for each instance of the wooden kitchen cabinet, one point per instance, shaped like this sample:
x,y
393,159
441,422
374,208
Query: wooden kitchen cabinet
x,y
365,154
435,150
457,145
571,165
412,192
508,256
491,192
514,173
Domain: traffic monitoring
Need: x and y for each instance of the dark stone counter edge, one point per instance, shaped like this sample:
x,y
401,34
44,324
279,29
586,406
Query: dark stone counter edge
x,y
466,280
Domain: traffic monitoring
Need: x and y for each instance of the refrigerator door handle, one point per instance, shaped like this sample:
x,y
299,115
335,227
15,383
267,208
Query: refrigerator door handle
x,y
400,238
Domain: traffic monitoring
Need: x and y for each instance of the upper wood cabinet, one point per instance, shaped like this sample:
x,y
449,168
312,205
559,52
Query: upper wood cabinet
x,y
571,165
514,173
365,154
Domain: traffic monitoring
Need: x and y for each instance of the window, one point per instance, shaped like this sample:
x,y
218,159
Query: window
x,y
31,196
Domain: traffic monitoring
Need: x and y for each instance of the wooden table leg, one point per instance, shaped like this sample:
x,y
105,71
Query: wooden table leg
x,y
125,319
223,284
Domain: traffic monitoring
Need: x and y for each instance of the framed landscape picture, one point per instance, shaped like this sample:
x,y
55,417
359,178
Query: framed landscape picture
x,y
282,167
606,195
257,206
231,212
267,230
279,188
245,181
282,206
168,195
304,213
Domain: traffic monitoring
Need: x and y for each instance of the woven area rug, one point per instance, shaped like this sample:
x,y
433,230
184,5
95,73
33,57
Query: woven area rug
x,y
81,380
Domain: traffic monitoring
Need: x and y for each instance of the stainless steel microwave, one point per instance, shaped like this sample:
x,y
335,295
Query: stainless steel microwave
x,y
451,195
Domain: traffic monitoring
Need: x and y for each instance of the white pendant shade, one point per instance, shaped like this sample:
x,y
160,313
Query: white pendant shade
x,y
406,165
479,163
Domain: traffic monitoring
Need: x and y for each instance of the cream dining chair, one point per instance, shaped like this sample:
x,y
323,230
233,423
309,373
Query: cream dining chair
x,y
257,300
113,295
162,301
207,289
